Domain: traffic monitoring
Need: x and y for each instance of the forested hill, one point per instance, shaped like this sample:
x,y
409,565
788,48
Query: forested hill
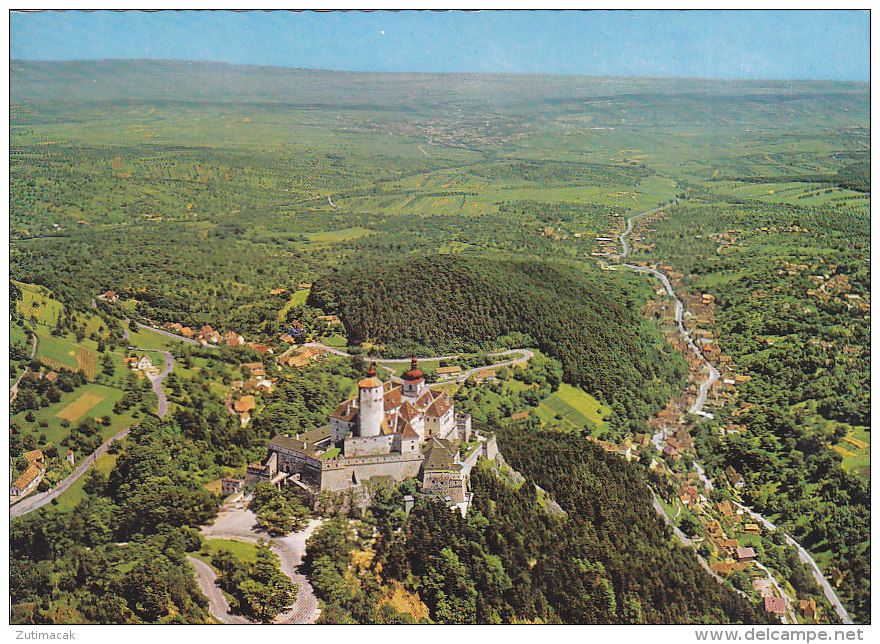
x,y
447,304
609,560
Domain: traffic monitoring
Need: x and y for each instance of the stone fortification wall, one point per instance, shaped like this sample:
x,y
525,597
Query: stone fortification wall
x,y
490,448
367,445
339,474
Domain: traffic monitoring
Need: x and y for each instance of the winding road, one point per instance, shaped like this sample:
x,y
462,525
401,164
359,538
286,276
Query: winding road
x,y
217,604
805,557
157,381
697,408
240,524
524,356
173,336
36,501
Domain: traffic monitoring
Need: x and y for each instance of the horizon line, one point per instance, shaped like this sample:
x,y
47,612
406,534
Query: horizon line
x,y
431,73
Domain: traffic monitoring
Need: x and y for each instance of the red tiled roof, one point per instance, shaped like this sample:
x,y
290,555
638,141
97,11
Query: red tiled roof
x,y
392,398
27,477
440,406
774,605
414,374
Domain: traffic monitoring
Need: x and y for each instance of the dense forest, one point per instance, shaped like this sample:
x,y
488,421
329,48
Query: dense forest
x,y
609,559
118,556
445,303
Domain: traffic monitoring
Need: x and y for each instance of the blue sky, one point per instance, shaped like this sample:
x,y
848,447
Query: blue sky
x,y
706,44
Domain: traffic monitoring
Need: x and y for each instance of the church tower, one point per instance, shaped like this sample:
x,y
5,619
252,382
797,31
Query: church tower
x,y
371,403
413,381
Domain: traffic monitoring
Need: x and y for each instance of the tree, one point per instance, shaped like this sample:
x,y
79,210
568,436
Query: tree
x,y
277,513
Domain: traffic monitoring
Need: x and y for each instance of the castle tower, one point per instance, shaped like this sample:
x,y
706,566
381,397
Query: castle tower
x,y
413,381
371,403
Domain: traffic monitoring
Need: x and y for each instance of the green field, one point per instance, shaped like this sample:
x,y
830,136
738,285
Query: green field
x,y
58,349
334,236
298,298
37,305
575,406
858,459
244,550
106,397
147,339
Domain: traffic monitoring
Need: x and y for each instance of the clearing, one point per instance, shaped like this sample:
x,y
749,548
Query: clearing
x,y
574,405
75,410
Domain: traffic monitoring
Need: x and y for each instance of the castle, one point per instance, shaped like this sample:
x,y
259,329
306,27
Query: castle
x,y
395,429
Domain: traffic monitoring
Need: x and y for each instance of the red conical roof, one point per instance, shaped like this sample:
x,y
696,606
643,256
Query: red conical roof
x,y
371,380
414,373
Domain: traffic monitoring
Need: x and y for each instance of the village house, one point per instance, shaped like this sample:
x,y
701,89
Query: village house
x,y
34,456
745,554
28,480
809,609
775,605
232,339
445,373
752,528
735,479
245,403
144,363
109,296
230,485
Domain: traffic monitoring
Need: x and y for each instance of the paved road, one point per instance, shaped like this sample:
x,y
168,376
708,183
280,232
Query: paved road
x,y
217,604
157,381
240,523
806,558
714,374
524,356
697,408
685,541
13,391
36,501
173,335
